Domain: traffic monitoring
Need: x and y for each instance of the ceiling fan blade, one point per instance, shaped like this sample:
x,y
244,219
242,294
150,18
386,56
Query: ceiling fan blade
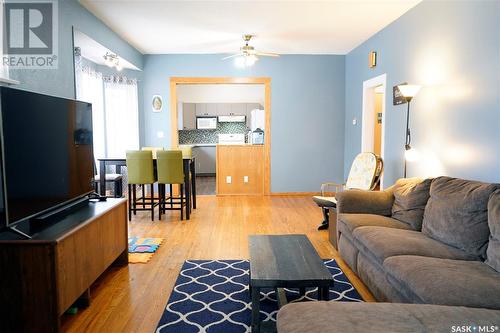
x,y
233,56
266,54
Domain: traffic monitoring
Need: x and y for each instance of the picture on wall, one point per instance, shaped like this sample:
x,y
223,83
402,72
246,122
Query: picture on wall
x,y
157,103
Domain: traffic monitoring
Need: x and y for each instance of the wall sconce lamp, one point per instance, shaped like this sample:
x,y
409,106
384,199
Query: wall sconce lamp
x,y
372,59
408,91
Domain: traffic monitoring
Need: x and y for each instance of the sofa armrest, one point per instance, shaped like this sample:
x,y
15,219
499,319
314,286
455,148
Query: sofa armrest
x,y
365,202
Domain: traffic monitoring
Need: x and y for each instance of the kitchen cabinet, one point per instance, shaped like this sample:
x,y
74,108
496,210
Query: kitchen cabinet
x,y
240,170
238,109
205,159
188,116
223,109
211,109
201,110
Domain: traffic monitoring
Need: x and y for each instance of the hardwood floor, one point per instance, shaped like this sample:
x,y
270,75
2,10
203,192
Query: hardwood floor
x,y
132,299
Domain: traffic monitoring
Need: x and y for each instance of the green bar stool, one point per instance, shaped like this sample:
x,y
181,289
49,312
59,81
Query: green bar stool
x,y
140,172
187,151
170,171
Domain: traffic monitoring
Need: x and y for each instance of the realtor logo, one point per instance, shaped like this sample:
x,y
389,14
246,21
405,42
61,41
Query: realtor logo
x,y
30,34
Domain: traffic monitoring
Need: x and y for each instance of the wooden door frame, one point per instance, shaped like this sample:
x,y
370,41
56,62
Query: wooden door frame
x,y
368,117
266,81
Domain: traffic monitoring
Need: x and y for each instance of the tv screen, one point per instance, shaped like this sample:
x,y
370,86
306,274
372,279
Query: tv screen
x,y
47,152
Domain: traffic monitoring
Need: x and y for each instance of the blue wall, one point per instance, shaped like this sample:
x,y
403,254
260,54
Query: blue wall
x,y
453,50
307,116
60,82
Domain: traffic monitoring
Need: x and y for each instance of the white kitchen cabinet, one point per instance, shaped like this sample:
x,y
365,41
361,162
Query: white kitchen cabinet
x,y
238,109
223,109
212,109
201,110
205,159
189,116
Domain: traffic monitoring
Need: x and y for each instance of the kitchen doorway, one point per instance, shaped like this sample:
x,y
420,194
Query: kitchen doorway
x,y
196,112
373,122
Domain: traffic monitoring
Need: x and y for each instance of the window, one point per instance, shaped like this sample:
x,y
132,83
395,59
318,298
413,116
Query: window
x,y
121,116
115,111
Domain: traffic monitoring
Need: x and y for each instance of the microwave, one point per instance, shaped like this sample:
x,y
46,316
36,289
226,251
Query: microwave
x,y
206,122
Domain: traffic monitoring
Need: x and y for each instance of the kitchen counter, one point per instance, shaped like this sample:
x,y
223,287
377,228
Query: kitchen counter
x,y
198,145
192,145
240,169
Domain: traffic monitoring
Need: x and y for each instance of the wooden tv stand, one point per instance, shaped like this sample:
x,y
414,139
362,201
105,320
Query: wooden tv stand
x,y
41,278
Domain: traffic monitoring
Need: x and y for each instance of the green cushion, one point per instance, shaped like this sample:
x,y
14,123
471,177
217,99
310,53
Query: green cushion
x,y
140,167
169,167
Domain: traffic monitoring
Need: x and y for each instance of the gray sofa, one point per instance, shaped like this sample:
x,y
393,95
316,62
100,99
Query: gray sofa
x,y
424,241
433,241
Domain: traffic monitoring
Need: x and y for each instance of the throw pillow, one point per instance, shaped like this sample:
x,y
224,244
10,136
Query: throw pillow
x,y
493,251
410,197
457,214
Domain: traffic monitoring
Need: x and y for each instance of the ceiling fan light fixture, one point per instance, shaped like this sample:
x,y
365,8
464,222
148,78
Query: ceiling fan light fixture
x,y
248,55
250,60
239,62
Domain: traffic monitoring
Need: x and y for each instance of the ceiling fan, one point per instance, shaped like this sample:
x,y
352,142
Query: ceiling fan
x,y
248,55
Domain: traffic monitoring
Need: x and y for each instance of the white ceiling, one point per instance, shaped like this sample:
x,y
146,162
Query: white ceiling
x,y
93,51
286,27
221,93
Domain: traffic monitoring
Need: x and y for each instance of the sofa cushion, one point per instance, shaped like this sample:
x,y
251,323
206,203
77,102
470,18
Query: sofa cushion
x,y
456,214
344,317
380,243
445,281
493,251
410,198
346,223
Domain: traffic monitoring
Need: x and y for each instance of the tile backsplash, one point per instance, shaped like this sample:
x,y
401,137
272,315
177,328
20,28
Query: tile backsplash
x,y
210,136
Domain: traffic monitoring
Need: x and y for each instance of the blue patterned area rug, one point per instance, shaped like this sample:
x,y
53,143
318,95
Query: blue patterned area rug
x,y
212,296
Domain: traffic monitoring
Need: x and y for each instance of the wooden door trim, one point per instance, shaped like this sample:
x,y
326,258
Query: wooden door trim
x,y
266,81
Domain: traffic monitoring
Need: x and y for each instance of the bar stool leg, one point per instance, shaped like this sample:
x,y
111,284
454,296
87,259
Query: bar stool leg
x,y
159,202
162,200
182,201
119,189
129,202
134,199
143,196
171,194
152,202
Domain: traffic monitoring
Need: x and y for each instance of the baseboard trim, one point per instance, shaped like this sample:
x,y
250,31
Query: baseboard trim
x,y
294,193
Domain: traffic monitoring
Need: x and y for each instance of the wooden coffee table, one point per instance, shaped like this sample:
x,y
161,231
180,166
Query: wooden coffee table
x,y
284,261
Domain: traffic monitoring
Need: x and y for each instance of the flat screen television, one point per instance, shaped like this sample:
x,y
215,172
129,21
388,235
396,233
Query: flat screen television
x,y
46,156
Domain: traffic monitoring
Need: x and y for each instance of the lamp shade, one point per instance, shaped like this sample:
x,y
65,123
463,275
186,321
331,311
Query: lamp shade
x,y
409,90
411,154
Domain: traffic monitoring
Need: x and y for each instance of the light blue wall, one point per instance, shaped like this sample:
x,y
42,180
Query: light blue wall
x,y
307,117
453,50
60,82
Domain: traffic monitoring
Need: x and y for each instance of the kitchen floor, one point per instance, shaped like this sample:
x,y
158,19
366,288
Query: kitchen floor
x,y
205,185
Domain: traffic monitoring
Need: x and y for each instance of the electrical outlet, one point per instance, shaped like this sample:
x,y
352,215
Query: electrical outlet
x,y
245,179
354,121
228,179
